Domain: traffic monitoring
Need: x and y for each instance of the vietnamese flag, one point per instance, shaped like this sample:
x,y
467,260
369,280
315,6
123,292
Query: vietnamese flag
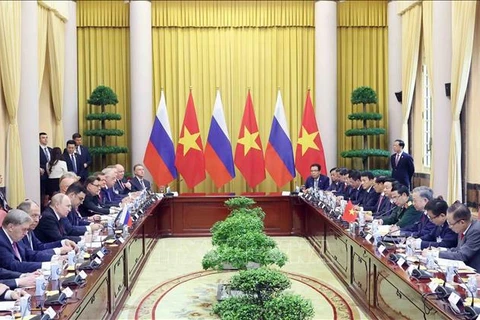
x,y
309,145
248,152
189,158
349,214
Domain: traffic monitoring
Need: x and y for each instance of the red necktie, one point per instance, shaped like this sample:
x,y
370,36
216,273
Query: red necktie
x,y
15,250
462,236
380,202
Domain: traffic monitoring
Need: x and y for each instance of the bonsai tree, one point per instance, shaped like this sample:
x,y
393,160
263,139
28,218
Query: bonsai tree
x,y
365,96
239,240
263,298
103,96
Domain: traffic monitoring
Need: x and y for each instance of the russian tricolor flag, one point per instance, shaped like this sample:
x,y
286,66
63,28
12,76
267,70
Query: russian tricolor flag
x,y
160,154
279,153
125,216
218,150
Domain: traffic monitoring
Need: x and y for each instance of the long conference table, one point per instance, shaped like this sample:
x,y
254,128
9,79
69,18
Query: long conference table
x,y
381,288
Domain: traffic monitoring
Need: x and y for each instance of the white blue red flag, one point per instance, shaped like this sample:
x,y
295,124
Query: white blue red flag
x,y
279,153
218,150
160,155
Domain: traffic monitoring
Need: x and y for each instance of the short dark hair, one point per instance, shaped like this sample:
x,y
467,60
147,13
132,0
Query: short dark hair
x,y
141,165
367,174
75,188
342,171
380,179
401,189
460,211
76,135
333,169
390,179
437,206
319,167
91,180
70,142
401,143
355,175
42,134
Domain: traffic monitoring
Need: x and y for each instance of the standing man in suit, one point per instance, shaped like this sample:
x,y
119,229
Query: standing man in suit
x,y
138,182
49,228
83,155
459,219
317,181
402,164
74,163
45,156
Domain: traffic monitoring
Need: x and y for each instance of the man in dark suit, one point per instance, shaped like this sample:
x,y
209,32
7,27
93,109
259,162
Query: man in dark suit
x,y
31,241
45,156
404,214
138,182
369,197
74,224
402,164
91,204
83,155
317,181
460,220
108,197
14,255
49,228
122,185
74,163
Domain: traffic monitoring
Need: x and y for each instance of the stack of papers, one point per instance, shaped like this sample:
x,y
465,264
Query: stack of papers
x,y
7,305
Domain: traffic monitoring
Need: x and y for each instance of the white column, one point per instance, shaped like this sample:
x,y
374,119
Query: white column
x,y
326,77
28,113
442,113
70,98
394,72
141,78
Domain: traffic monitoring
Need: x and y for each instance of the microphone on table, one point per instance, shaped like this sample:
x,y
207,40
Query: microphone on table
x,y
471,312
443,291
385,213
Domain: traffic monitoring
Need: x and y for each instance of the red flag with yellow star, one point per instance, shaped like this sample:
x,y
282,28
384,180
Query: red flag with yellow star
x,y
189,158
309,145
349,214
248,152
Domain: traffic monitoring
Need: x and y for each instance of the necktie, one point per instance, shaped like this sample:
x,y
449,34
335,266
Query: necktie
x,y
379,203
315,184
74,163
47,154
29,237
462,236
143,185
15,251
397,159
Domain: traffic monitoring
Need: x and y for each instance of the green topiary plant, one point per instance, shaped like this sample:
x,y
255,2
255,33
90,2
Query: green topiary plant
x,y
364,96
103,96
239,202
262,298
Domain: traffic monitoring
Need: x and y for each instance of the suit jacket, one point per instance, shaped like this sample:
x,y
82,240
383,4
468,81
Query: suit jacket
x,y
72,230
91,205
119,187
43,161
77,220
403,171
323,182
420,228
110,198
467,249
31,260
136,186
369,199
403,217
31,241
50,229
8,277
85,158
448,238
78,161
383,205
356,194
